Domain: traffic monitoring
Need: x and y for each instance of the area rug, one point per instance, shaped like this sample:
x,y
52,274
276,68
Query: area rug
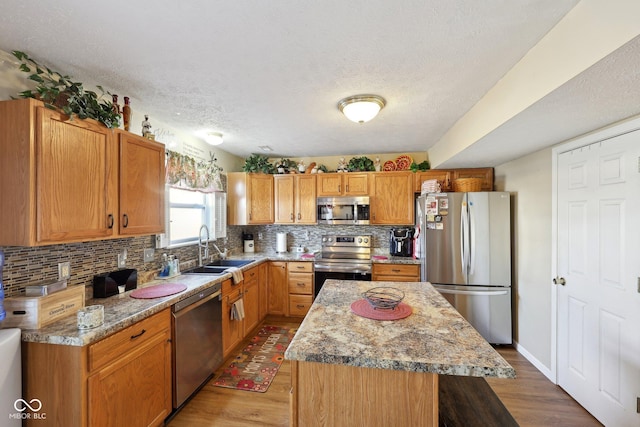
x,y
256,366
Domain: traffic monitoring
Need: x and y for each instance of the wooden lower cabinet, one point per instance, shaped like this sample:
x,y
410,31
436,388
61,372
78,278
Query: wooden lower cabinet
x,y
251,298
232,330
278,293
122,380
263,276
396,272
355,396
300,287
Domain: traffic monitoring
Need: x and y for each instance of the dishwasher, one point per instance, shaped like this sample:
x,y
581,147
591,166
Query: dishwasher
x,y
197,341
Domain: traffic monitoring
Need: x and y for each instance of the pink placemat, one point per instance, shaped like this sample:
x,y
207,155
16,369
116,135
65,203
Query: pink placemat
x,y
158,291
362,308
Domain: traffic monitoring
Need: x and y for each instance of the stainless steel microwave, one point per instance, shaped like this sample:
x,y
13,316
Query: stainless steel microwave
x,y
343,210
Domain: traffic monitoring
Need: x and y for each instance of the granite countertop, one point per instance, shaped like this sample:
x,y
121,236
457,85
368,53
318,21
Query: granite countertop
x,y
121,311
385,258
435,338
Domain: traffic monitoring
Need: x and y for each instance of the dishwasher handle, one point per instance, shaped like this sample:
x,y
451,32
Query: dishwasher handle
x,y
184,309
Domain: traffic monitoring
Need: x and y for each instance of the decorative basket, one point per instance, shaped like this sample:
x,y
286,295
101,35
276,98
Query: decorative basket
x,y
467,184
382,298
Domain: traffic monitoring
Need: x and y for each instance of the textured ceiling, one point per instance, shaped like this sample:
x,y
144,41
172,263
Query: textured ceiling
x,y
271,73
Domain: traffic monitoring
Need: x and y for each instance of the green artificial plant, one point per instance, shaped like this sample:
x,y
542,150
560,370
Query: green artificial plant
x,y
58,91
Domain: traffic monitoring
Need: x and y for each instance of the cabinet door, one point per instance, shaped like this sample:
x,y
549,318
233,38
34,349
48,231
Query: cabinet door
x,y
486,174
135,390
251,298
392,201
443,177
284,188
232,330
356,184
306,205
278,289
260,198
76,170
141,185
329,184
263,275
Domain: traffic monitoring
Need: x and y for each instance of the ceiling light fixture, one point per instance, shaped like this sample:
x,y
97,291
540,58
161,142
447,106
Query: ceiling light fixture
x,y
361,108
265,148
213,138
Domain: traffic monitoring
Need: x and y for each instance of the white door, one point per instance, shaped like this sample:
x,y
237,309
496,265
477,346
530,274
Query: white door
x,y
598,319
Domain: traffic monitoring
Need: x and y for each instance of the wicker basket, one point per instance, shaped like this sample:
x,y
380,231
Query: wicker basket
x,y
467,184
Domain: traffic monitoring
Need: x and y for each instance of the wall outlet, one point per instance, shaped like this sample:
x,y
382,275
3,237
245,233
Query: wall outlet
x,y
64,270
259,236
148,255
122,260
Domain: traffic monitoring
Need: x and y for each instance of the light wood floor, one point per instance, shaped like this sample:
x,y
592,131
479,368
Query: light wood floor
x,y
531,398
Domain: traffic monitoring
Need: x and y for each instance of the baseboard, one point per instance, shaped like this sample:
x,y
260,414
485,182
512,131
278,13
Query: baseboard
x,y
535,362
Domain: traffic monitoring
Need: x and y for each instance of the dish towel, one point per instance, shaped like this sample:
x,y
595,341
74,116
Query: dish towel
x,y
236,273
237,310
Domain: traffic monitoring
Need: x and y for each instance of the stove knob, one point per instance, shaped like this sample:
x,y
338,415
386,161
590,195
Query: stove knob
x,y
359,239
366,240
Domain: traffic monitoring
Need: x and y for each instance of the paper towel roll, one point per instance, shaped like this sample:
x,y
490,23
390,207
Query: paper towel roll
x,y
281,242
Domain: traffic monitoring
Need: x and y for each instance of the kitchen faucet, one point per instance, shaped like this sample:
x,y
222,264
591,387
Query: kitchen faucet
x,y
223,254
203,245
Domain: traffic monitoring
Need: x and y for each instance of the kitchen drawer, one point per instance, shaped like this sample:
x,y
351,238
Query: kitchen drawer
x,y
250,275
396,272
385,278
120,343
301,267
229,286
300,283
299,304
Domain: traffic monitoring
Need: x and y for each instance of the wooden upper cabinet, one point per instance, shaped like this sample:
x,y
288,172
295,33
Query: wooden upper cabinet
x,y
284,205
443,176
141,185
60,178
295,199
486,174
343,184
250,198
392,198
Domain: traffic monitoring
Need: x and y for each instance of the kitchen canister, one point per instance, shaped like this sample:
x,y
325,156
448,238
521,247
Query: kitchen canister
x,y
90,317
281,242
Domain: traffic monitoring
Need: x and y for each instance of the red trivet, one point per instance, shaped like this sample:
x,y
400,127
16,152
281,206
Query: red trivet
x,y
158,291
362,308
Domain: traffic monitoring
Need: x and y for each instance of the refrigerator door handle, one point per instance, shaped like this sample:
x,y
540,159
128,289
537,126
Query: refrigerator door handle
x,y
460,292
472,239
464,238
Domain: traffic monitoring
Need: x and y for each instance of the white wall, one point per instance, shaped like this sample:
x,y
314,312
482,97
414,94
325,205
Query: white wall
x,y
529,181
13,81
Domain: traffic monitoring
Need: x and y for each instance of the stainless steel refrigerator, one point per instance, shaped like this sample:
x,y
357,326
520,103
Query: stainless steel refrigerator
x,y
464,243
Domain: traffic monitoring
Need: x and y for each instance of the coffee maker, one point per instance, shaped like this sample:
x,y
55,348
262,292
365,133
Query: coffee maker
x,y
401,241
248,242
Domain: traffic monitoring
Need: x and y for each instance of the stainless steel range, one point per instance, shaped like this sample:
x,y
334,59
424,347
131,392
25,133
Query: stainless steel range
x,y
344,258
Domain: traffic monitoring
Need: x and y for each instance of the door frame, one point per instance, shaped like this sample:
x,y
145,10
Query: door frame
x,y
613,130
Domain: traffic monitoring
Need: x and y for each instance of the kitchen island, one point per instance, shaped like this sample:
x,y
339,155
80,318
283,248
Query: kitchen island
x,y
348,370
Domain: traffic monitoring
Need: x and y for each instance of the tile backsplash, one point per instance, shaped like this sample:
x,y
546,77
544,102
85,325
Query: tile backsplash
x,y
27,266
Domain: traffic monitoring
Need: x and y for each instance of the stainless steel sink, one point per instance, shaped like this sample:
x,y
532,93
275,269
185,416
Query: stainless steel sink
x,y
229,262
206,270
218,266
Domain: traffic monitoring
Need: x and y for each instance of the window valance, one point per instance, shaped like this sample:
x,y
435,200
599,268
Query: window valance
x,y
187,173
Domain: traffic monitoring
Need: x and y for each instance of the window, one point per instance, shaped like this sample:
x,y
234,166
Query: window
x,y
189,210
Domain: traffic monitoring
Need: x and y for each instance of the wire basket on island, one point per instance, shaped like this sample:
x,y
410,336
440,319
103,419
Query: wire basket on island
x,y
383,298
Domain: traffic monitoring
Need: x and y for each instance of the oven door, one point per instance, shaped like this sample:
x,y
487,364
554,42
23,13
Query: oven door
x,y
321,276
